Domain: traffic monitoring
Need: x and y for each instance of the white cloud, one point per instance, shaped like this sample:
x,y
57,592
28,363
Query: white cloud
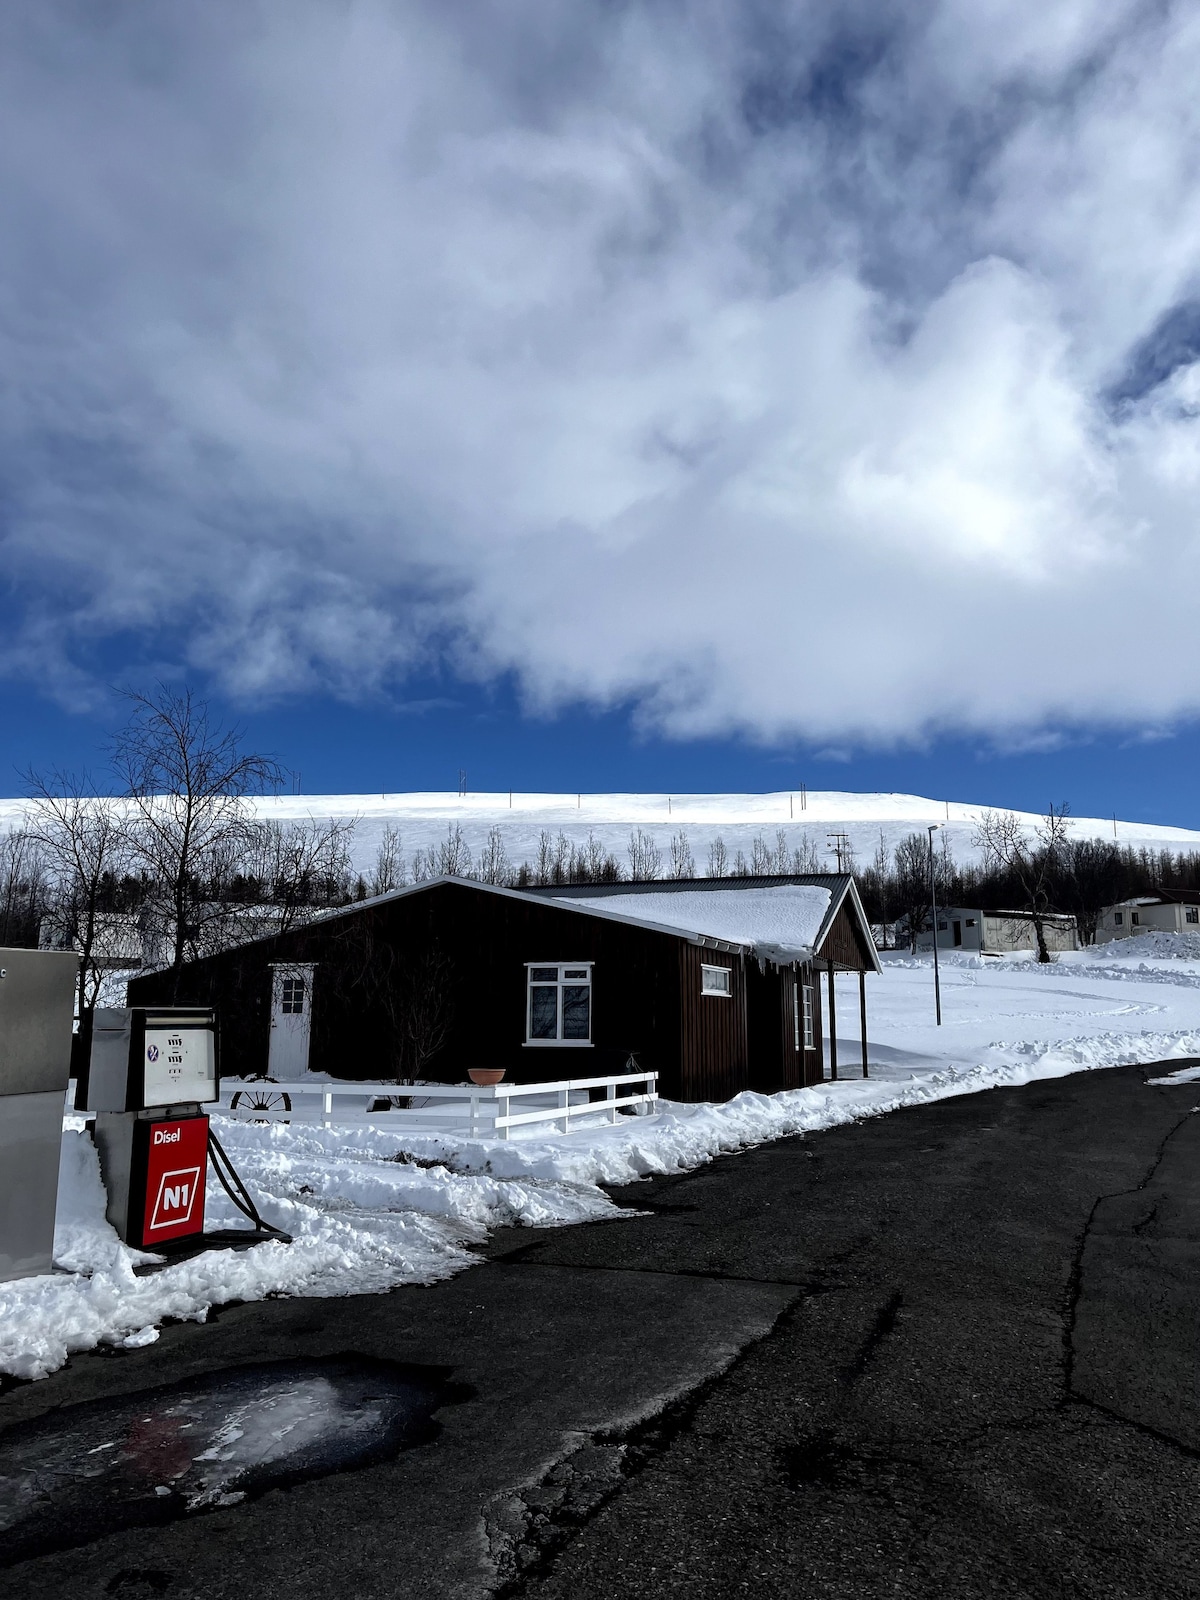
x,y
754,370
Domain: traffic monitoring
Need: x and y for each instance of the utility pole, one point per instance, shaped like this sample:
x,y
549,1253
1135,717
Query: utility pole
x,y
937,980
462,781
841,843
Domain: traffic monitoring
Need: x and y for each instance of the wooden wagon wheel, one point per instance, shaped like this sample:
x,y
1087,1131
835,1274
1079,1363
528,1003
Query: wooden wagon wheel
x,y
272,1100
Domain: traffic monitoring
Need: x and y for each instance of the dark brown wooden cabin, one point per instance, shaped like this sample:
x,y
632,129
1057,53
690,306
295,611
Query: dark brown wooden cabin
x,y
430,980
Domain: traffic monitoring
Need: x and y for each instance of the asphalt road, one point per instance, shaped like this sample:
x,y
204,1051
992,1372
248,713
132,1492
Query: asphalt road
x,y
951,1352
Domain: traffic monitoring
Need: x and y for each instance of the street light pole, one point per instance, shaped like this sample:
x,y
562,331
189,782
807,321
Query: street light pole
x,y
937,979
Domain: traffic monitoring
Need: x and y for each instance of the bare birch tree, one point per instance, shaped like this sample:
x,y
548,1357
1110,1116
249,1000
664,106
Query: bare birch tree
x,y
24,891
645,858
84,844
390,871
682,862
188,779
493,863
1031,860
718,858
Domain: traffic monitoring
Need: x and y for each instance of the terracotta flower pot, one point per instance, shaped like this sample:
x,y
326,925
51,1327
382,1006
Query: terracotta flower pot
x,y
485,1076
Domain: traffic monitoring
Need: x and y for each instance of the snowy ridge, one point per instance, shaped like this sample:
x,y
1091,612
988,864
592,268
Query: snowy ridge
x,y
806,818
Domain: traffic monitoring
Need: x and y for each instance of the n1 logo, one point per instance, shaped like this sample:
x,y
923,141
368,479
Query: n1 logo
x,y
176,1198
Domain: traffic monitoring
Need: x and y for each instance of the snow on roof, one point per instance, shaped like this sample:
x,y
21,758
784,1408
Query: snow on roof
x,y
781,923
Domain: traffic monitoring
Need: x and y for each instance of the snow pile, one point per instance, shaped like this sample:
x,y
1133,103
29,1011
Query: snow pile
x,y
1161,945
1184,1075
780,923
362,1222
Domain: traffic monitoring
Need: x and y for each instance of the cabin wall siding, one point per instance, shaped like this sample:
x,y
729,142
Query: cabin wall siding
x,y
713,1046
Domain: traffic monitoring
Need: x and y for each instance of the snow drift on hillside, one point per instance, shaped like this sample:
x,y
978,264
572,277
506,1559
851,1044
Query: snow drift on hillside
x,y
806,818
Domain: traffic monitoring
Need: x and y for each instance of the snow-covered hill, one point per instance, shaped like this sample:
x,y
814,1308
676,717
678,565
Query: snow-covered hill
x,y
422,819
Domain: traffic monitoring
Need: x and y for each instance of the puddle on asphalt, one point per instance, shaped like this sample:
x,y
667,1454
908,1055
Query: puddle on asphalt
x,y
147,1458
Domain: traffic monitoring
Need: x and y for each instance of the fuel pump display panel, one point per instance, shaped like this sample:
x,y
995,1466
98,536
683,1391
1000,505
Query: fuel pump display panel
x,y
179,1063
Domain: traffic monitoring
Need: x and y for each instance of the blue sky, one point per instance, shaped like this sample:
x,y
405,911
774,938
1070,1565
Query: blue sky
x,y
667,395
422,743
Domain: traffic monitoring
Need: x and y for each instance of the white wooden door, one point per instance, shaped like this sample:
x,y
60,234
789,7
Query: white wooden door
x,y
291,1020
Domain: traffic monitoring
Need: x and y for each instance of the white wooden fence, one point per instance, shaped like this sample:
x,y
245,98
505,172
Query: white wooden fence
x,y
443,1107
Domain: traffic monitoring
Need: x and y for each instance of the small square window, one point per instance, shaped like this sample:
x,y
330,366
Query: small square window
x,y
970,922
291,997
1118,919
1191,913
716,980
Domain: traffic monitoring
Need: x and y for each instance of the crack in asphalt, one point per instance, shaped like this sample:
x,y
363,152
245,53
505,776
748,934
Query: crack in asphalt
x,y
1069,1395
528,1530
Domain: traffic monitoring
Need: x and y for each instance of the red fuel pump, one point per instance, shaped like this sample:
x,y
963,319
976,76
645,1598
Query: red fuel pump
x,y
145,1072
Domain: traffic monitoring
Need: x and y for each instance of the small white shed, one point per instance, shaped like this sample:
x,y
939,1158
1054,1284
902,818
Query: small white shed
x,y
997,933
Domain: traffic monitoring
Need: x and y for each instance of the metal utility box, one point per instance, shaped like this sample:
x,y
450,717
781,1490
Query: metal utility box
x,y
37,1008
132,1058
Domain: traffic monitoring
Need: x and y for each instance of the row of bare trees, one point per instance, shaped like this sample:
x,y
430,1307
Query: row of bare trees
x,y
1043,870
561,860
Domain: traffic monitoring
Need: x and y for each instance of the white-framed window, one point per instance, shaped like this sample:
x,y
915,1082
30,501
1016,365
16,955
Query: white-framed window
x,y
806,1016
1191,913
291,997
558,1007
716,980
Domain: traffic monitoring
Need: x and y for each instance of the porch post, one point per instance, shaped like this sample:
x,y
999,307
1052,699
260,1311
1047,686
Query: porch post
x,y
832,1026
862,1012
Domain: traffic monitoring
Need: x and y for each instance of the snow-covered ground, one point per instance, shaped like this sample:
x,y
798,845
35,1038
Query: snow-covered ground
x,y
373,1209
806,818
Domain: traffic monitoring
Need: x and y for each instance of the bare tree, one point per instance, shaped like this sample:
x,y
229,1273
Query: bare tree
x,y
424,864
543,871
761,858
1031,860
493,863
682,864
1090,868
390,872
805,857
307,866
24,892
591,863
188,779
912,884
454,854
409,989
645,858
84,845
718,858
